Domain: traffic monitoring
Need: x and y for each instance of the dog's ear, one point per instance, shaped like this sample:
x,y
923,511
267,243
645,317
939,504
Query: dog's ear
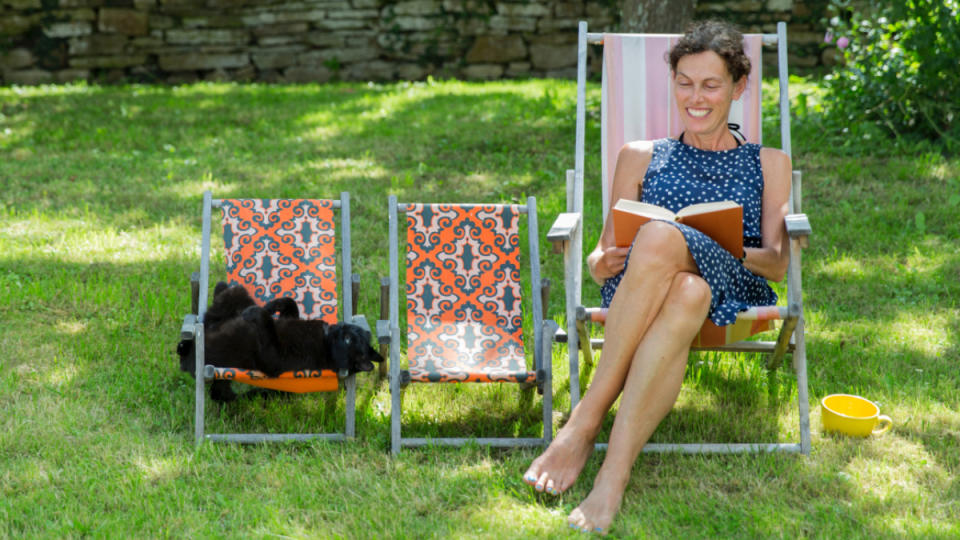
x,y
219,288
339,341
365,354
362,362
373,355
370,353
285,308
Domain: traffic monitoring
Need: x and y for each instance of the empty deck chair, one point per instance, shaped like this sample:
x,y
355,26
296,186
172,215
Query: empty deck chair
x,y
464,318
276,248
637,104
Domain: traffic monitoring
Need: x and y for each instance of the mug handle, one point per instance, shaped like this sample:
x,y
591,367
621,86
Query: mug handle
x,y
884,423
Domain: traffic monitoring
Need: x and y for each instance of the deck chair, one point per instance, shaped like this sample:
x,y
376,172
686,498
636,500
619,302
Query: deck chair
x,y
464,315
637,103
276,248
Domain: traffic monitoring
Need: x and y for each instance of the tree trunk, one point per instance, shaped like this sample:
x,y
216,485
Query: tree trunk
x,y
657,16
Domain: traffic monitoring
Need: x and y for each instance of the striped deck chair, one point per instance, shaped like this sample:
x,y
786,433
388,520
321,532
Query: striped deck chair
x,y
637,104
277,248
464,316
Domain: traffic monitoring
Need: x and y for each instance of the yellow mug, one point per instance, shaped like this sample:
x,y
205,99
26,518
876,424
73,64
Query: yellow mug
x,y
853,415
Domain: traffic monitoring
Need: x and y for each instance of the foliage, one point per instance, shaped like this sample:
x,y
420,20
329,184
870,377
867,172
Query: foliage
x,y
899,68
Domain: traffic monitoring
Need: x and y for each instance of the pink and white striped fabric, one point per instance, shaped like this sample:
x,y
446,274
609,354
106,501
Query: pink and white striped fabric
x,y
637,100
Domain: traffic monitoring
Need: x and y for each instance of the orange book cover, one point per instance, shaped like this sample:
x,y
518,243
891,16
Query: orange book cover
x,y
722,221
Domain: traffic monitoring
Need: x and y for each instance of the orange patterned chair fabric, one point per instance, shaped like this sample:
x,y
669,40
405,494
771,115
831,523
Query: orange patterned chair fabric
x,y
291,381
464,315
283,247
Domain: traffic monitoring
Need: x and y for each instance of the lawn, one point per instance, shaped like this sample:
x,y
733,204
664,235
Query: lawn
x,y
100,229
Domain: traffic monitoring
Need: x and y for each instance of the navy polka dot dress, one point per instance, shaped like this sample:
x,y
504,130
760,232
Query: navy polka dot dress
x,y
680,175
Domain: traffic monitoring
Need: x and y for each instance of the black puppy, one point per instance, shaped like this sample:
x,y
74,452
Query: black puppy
x,y
240,334
290,344
224,314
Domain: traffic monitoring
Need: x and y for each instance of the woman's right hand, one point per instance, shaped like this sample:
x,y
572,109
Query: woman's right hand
x,y
604,263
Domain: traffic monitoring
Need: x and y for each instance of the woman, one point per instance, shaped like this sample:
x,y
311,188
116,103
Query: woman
x,y
661,289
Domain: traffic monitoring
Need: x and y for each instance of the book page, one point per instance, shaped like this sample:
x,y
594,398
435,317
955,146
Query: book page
x,y
703,208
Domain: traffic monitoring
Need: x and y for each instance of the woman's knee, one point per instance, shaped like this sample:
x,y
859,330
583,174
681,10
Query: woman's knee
x,y
658,244
690,294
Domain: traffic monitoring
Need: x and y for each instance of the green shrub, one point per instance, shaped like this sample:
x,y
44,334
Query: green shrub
x,y
898,70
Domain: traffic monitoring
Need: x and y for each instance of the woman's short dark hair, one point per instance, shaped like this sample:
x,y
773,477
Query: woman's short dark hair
x,y
717,36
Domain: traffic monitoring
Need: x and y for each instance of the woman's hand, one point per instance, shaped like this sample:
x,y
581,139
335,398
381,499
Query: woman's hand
x,y
605,263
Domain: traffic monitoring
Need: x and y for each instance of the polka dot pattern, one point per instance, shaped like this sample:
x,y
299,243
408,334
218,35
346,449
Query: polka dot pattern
x,y
680,175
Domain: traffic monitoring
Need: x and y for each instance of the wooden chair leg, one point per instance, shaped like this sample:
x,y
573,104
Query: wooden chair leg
x,y
355,289
586,351
195,293
783,343
384,315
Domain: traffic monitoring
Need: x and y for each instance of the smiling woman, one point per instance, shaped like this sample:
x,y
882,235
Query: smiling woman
x,y
660,289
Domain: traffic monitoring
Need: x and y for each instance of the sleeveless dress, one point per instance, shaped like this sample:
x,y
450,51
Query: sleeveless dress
x,y
680,175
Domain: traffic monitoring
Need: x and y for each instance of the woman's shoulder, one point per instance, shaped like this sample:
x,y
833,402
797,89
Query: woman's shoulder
x,y
636,154
774,158
637,147
772,154
645,150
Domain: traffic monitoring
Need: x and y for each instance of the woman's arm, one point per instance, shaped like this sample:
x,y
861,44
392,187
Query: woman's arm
x,y
771,259
607,260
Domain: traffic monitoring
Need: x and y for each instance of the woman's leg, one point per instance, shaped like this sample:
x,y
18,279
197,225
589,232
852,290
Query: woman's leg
x,y
659,254
651,389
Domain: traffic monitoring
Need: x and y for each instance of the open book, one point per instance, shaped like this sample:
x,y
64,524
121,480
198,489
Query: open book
x,y
722,221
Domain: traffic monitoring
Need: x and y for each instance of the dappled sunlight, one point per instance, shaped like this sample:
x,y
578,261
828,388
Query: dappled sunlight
x,y
81,241
842,267
503,515
697,400
157,469
891,467
60,374
87,240
71,328
339,169
925,333
192,190
900,474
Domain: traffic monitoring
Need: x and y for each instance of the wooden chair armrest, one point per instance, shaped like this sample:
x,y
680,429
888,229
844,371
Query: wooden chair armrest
x,y
562,229
798,225
188,328
361,321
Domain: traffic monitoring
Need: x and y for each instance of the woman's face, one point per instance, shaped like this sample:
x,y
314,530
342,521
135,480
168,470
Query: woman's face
x,y
704,90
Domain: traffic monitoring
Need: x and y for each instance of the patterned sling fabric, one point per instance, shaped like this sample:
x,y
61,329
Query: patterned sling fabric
x,y
290,381
283,247
464,317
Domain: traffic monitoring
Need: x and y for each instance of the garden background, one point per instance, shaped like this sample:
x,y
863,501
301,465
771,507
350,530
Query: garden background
x,y
99,231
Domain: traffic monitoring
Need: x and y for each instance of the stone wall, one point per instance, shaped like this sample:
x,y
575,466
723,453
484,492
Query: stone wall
x,y
173,41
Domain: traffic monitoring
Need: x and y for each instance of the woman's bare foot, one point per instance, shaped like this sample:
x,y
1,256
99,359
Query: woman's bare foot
x,y
559,465
596,512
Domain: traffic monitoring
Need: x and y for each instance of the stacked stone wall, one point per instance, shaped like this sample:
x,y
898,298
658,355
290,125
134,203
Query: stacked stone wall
x,y
174,41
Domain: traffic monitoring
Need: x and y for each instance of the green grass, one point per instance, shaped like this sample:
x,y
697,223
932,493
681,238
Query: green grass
x,y
99,230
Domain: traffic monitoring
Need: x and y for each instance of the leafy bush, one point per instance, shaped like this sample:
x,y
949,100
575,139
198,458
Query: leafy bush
x,y
899,68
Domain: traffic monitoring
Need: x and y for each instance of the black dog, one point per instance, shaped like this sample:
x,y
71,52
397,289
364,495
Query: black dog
x,y
240,334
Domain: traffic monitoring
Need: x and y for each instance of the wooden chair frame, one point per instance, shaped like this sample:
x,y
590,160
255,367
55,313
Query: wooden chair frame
x,y
566,234
193,329
388,331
